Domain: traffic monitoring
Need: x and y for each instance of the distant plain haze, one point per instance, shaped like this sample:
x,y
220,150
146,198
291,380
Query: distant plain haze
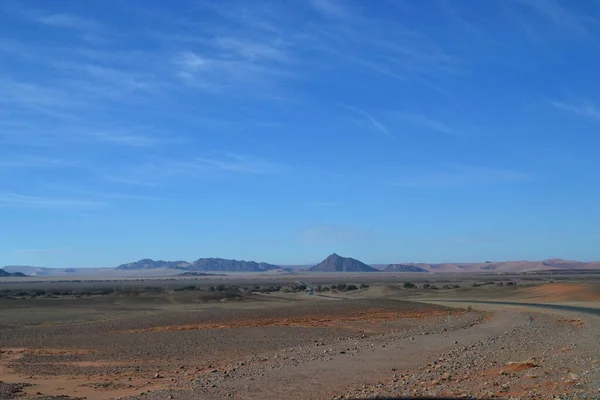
x,y
283,131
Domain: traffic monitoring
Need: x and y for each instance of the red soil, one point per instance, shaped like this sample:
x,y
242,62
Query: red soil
x,y
561,292
374,316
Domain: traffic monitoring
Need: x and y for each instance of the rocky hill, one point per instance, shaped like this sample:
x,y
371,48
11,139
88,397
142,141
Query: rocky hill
x,y
202,264
403,268
220,264
198,274
148,263
336,263
4,273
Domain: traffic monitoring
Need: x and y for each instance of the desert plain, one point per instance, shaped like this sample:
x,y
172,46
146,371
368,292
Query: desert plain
x,y
272,337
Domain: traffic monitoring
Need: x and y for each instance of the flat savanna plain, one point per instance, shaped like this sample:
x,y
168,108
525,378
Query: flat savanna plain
x,y
179,339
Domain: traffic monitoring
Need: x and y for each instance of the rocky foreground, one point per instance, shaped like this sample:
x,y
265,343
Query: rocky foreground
x,y
322,349
507,355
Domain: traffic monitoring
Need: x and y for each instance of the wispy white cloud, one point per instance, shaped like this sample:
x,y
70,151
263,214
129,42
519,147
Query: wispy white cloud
x,y
250,50
563,18
330,8
82,133
68,21
34,95
82,28
252,69
125,140
93,193
34,162
373,122
585,108
426,122
15,48
161,171
134,137
123,79
381,68
240,163
458,176
16,200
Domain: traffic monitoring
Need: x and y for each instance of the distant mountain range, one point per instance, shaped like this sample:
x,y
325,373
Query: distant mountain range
x,y
4,273
37,271
202,264
493,267
335,263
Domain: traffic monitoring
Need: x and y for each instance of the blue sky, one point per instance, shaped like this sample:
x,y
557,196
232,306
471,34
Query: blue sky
x,y
282,131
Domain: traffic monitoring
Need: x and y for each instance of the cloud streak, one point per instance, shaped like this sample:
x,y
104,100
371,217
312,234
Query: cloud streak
x,y
562,18
160,172
16,200
68,21
35,162
329,8
426,122
586,109
459,176
373,122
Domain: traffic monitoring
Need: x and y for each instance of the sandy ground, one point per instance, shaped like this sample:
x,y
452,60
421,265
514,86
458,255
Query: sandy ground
x,y
373,342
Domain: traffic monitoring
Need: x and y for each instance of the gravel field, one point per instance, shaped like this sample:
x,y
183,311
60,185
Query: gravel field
x,y
280,346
